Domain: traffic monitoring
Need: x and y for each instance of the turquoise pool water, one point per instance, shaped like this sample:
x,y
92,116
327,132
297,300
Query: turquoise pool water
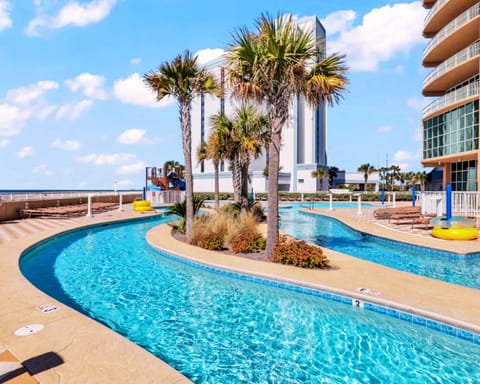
x,y
221,329
333,234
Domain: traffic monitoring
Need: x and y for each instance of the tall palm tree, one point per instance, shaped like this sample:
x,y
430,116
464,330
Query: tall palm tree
x,y
421,178
271,65
224,133
367,169
242,137
395,172
332,174
183,79
251,134
321,174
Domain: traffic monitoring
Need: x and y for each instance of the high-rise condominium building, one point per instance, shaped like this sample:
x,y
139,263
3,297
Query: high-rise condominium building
x,y
450,122
304,137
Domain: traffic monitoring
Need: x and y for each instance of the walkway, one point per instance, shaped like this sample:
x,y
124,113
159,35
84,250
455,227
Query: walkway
x,y
92,353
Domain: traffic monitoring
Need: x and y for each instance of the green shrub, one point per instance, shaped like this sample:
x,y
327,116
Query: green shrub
x,y
178,226
248,242
211,240
298,253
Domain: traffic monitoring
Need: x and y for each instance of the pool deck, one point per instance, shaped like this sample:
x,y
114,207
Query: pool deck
x,y
93,353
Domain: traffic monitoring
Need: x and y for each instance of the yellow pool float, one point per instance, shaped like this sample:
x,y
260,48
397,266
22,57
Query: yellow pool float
x,y
455,233
142,205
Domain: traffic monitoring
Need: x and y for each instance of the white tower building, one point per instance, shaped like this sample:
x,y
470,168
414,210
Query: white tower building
x,y
304,136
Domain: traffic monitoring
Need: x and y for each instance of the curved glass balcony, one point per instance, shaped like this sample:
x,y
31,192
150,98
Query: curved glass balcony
x,y
465,92
452,27
461,57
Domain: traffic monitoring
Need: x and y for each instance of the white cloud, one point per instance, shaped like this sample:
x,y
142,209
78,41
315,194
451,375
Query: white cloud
x,y
5,19
131,136
12,119
25,152
90,85
72,111
135,136
46,111
43,170
67,145
204,56
399,69
339,21
132,90
136,60
4,143
106,159
418,102
72,14
383,33
30,93
131,168
404,159
384,128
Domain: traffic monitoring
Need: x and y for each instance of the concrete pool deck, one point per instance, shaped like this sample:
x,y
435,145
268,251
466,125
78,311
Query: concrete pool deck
x,y
93,353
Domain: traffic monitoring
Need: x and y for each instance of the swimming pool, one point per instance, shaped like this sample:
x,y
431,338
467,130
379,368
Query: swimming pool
x,y
333,234
218,328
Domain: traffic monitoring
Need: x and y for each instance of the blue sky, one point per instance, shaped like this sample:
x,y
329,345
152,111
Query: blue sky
x,y
74,113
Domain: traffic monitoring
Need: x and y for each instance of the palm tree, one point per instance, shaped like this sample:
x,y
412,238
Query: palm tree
x,y
394,174
367,169
270,66
320,174
421,178
242,137
332,174
224,132
251,134
183,79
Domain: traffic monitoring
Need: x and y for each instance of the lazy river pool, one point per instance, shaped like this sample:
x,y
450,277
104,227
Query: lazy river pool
x,y
220,327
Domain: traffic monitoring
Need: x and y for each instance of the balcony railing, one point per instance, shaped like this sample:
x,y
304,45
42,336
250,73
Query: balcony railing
x,y
452,97
453,26
462,56
434,10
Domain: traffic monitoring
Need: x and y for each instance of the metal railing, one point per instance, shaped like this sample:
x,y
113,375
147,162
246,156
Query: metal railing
x,y
451,27
462,56
468,90
29,196
463,203
434,10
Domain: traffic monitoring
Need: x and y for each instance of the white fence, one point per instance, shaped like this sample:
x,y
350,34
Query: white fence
x,y
159,198
29,196
463,203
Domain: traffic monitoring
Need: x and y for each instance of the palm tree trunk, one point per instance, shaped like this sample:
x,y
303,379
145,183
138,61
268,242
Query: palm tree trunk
x,y
237,180
273,167
185,122
244,189
217,185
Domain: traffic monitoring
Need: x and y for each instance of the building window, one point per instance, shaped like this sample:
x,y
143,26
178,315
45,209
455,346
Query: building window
x,y
452,132
301,181
463,176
